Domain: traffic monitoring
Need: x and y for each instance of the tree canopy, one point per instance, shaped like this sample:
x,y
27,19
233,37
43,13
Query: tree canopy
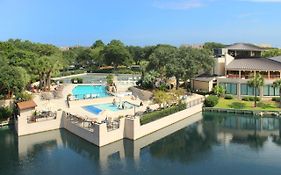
x,y
271,53
115,54
213,45
12,80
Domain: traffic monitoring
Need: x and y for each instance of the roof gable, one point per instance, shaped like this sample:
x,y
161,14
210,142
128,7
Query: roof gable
x,y
244,47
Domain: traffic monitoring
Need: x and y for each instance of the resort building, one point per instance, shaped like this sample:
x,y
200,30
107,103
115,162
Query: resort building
x,y
234,67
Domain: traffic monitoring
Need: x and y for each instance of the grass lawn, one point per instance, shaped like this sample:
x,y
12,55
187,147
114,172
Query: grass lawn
x,y
247,105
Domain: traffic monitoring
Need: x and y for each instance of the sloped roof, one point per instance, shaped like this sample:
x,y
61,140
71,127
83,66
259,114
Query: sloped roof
x,y
260,64
244,46
205,78
26,105
277,59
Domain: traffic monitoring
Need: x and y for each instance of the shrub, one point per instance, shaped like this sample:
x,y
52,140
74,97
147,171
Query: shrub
x,y
77,80
109,79
276,99
200,92
245,99
237,105
253,98
5,113
152,116
228,97
211,101
24,96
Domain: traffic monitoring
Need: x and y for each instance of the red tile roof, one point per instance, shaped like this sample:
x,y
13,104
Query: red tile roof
x,y
26,105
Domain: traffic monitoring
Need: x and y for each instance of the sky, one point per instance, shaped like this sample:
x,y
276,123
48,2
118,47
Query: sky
x,y
141,22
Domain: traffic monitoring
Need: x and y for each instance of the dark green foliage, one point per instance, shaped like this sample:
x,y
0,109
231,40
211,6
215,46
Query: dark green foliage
x,y
250,98
211,101
115,54
276,99
149,117
213,45
201,92
137,53
24,96
228,97
245,99
67,73
77,80
253,98
12,80
237,105
5,113
109,79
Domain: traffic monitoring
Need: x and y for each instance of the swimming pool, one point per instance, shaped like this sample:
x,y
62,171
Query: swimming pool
x,y
115,107
96,109
89,91
92,109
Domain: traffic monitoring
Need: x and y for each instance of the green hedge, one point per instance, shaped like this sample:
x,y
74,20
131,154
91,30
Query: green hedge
x,y
276,99
211,101
67,73
152,116
5,113
228,97
250,98
77,80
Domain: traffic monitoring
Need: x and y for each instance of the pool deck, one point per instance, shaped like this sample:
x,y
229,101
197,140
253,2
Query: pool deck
x,y
76,105
106,127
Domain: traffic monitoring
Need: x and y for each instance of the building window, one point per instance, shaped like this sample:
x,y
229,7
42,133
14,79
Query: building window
x,y
269,90
247,90
230,88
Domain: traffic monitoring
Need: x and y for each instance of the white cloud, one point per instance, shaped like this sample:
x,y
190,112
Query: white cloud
x,y
178,5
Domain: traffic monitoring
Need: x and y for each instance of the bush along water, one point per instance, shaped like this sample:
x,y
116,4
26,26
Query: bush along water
x,y
211,101
152,116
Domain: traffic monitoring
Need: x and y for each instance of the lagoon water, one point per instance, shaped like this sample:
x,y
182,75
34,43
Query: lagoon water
x,y
208,143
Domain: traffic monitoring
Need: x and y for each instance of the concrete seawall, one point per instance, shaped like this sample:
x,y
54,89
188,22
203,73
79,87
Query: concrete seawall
x,y
134,130
98,133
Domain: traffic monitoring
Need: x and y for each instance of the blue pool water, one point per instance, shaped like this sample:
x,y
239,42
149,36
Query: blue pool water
x,y
115,107
89,91
92,109
96,109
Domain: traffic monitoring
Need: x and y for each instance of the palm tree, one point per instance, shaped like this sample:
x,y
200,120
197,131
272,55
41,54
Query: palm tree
x,y
219,90
256,82
277,84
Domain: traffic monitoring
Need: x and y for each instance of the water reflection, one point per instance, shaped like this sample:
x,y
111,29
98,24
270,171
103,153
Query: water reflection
x,y
196,140
191,143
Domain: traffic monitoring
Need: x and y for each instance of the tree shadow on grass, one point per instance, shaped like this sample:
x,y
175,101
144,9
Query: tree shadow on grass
x,y
237,105
266,105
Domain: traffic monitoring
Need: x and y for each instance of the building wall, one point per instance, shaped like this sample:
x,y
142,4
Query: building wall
x,y
24,128
219,67
240,82
202,85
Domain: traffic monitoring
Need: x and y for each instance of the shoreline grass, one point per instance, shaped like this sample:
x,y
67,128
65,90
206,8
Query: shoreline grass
x,y
247,105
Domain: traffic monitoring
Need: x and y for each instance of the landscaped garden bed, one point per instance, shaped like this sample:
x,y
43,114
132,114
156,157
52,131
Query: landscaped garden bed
x,y
152,116
247,105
